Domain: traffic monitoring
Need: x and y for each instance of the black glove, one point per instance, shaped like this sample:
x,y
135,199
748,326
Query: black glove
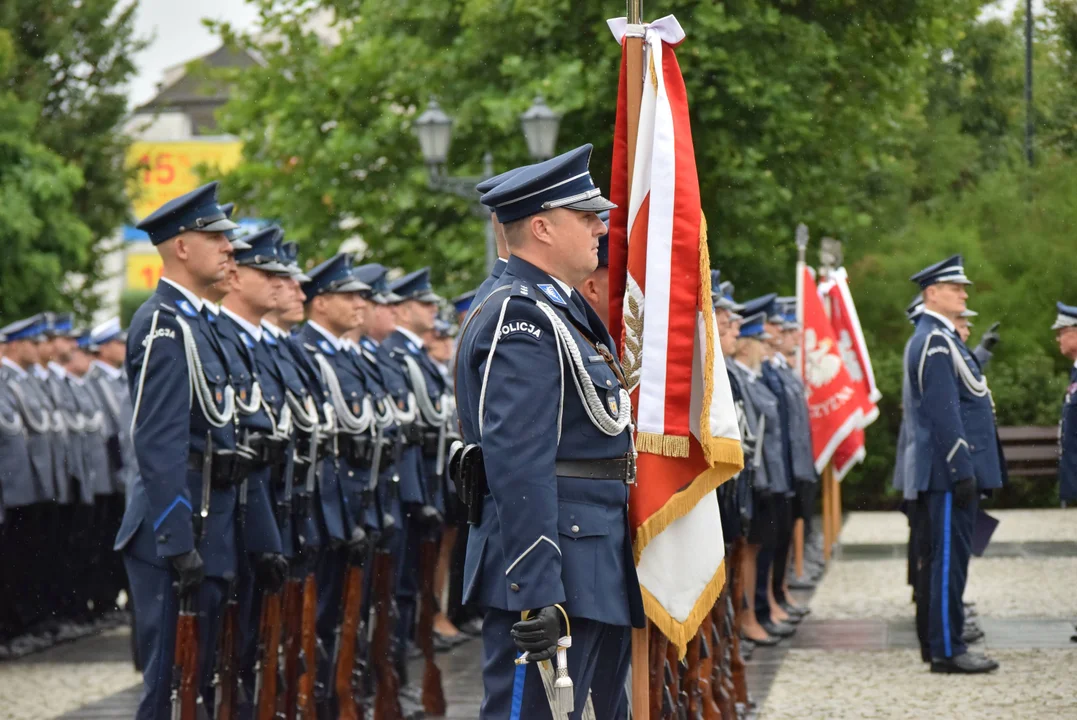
x,y
538,636
358,544
270,570
429,517
990,338
190,569
965,492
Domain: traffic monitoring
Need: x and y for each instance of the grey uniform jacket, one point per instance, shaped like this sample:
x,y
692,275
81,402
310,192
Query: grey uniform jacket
x,y
92,438
905,457
111,390
799,424
28,397
766,405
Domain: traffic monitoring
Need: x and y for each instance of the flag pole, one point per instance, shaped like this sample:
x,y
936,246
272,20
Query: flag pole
x,y
831,503
641,688
802,251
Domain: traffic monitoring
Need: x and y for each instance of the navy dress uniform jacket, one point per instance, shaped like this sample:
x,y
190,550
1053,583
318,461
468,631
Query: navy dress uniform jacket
x,y
409,469
169,423
257,519
953,420
1067,442
544,538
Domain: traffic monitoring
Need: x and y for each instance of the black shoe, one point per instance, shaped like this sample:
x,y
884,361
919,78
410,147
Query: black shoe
x,y
782,630
793,619
769,641
971,635
801,584
964,664
794,611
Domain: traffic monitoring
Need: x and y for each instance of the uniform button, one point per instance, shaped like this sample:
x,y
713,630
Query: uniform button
x,y
163,537
350,473
609,383
514,587
575,528
972,447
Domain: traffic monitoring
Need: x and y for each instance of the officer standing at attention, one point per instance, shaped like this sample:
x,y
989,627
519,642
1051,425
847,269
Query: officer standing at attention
x,y
958,454
1065,328
173,544
541,397
596,287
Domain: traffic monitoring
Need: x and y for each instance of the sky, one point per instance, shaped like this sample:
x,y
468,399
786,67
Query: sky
x,y
175,27
177,35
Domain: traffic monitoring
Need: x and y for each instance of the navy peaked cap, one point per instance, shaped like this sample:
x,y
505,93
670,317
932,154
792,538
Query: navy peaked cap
x,y
950,270
490,183
289,257
333,276
561,182
376,276
262,251
31,328
415,286
462,303
196,211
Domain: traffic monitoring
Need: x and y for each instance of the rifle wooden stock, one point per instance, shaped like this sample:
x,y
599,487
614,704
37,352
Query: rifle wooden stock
x,y
348,703
269,644
723,626
293,629
690,685
309,643
227,664
387,697
433,693
656,671
708,706
185,696
680,698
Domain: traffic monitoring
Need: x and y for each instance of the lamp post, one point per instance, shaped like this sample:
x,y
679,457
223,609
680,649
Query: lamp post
x,y
434,131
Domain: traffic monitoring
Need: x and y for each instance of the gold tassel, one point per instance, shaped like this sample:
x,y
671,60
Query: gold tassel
x,y
680,633
666,445
679,505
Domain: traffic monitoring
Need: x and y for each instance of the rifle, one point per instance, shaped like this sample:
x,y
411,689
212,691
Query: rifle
x,y
265,671
227,655
677,672
345,655
186,700
292,631
690,685
656,675
309,644
709,649
736,661
387,698
433,693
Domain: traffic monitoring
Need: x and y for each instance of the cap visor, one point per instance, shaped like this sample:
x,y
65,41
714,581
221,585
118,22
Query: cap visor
x,y
222,225
351,286
299,276
596,205
427,297
388,298
238,244
1061,324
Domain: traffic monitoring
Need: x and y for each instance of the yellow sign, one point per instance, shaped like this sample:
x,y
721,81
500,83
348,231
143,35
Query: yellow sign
x,y
143,270
167,170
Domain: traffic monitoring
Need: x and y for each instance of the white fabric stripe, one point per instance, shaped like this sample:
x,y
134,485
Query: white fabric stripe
x,y
551,204
959,277
662,177
490,361
841,278
953,450
551,187
534,545
1063,321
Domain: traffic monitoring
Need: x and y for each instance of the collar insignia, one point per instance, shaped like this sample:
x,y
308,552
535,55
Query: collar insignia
x,y
552,293
186,308
326,348
411,347
246,340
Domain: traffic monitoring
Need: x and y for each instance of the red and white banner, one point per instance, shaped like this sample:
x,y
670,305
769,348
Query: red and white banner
x,y
854,352
662,317
835,402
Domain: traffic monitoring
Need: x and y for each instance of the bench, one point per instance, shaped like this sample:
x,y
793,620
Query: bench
x,y
1030,451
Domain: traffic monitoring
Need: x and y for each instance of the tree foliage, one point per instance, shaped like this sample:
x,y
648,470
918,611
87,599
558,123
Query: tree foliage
x,y
63,70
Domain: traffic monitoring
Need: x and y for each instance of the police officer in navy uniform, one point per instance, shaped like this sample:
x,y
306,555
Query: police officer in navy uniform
x,y
26,479
541,397
184,409
1065,327
335,304
958,454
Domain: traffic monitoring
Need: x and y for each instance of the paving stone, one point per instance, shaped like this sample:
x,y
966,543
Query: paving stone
x,y
895,684
1042,525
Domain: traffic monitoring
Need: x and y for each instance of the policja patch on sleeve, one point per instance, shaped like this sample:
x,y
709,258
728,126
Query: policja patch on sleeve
x,y
520,327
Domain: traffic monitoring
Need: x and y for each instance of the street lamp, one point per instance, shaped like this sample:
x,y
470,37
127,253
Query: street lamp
x,y
540,125
433,128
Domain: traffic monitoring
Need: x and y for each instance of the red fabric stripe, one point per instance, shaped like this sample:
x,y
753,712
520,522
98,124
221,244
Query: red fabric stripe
x,y
661,478
618,240
684,265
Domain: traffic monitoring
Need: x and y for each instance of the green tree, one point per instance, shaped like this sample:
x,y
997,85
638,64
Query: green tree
x,y
797,114
69,63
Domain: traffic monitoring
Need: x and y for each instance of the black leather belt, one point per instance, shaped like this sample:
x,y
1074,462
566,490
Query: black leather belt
x,y
227,469
622,469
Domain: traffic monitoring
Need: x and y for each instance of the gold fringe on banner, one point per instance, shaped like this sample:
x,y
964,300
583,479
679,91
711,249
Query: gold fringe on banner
x,y
680,633
667,445
681,502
